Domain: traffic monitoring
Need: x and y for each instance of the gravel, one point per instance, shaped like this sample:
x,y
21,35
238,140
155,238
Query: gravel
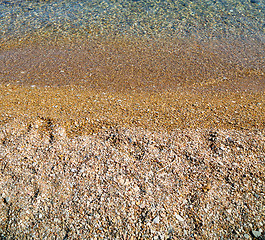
x,y
134,184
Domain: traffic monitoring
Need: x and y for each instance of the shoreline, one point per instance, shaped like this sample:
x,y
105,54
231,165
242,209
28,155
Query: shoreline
x,y
126,64
87,111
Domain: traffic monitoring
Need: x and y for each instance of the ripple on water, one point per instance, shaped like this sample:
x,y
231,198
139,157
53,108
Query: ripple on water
x,y
203,19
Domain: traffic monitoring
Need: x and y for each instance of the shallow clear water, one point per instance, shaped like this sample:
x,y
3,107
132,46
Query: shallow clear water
x,y
223,39
157,18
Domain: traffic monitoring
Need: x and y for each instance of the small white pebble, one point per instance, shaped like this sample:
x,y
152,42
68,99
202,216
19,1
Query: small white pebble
x,y
229,211
156,220
179,218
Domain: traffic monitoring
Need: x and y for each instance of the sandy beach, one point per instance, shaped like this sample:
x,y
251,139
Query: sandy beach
x,y
82,164
121,137
131,183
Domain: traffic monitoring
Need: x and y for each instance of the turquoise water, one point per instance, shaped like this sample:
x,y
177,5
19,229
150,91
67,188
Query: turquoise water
x,y
207,19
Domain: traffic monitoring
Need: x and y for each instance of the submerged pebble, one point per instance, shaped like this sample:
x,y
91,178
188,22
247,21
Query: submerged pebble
x,y
256,233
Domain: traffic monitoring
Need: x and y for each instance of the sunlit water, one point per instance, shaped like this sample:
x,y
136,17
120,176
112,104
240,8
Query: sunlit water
x,y
234,30
159,18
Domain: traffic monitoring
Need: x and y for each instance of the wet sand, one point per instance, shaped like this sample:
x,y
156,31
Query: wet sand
x,y
123,64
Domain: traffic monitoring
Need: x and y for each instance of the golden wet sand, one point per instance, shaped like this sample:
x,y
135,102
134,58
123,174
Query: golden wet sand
x,y
81,110
96,83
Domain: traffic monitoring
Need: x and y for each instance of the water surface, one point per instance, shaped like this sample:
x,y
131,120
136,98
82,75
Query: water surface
x,y
231,30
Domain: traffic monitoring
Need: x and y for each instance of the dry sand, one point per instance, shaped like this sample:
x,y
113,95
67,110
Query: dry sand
x,y
131,183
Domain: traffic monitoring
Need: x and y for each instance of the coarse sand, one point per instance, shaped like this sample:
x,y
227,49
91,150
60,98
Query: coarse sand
x,y
102,165
137,143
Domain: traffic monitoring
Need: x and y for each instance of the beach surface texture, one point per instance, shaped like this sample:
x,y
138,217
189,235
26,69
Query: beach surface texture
x,y
132,119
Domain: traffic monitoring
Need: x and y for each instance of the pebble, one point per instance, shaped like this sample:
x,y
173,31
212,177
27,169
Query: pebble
x,y
256,233
229,211
156,220
179,218
246,236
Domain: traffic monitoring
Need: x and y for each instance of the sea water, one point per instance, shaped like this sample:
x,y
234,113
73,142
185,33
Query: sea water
x,y
156,18
222,22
